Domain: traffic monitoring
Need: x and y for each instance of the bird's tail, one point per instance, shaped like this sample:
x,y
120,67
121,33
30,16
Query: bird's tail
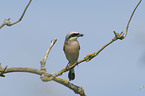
x,y
71,75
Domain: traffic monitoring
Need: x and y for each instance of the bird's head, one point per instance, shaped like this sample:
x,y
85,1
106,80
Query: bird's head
x,y
72,36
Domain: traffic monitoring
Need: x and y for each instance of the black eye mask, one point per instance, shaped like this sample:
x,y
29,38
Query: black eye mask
x,y
73,35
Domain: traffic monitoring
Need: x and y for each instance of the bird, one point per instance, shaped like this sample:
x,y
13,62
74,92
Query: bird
x,y
71,49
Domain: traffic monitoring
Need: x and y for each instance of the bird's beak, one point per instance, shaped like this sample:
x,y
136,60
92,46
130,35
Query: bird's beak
x,y
80,35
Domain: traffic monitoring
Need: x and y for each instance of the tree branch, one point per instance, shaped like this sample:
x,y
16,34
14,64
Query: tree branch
x,y
22,69
8,23
43,61
76,89
131,17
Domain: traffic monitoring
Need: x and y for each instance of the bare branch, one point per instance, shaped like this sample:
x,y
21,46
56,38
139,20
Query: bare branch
x,y
22,69
76,89
8,23
49,48
43,61
131,17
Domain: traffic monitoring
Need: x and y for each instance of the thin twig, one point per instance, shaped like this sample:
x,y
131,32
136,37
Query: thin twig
x,y
49,48
8,23
131,17
43,61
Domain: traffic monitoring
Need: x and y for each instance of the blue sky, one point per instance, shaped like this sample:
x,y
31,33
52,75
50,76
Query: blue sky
x,y
119,70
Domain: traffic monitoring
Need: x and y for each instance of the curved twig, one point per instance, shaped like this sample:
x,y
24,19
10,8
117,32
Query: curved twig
x,y
8,23
43,61
131,17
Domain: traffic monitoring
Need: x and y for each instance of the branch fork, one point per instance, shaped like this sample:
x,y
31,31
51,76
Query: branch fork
x,y
2,70
120,36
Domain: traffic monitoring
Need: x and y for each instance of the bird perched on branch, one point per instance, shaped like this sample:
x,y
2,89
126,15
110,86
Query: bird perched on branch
x,y
71,49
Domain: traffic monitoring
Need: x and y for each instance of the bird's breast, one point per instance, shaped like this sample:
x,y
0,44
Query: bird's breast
x,y
72,51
